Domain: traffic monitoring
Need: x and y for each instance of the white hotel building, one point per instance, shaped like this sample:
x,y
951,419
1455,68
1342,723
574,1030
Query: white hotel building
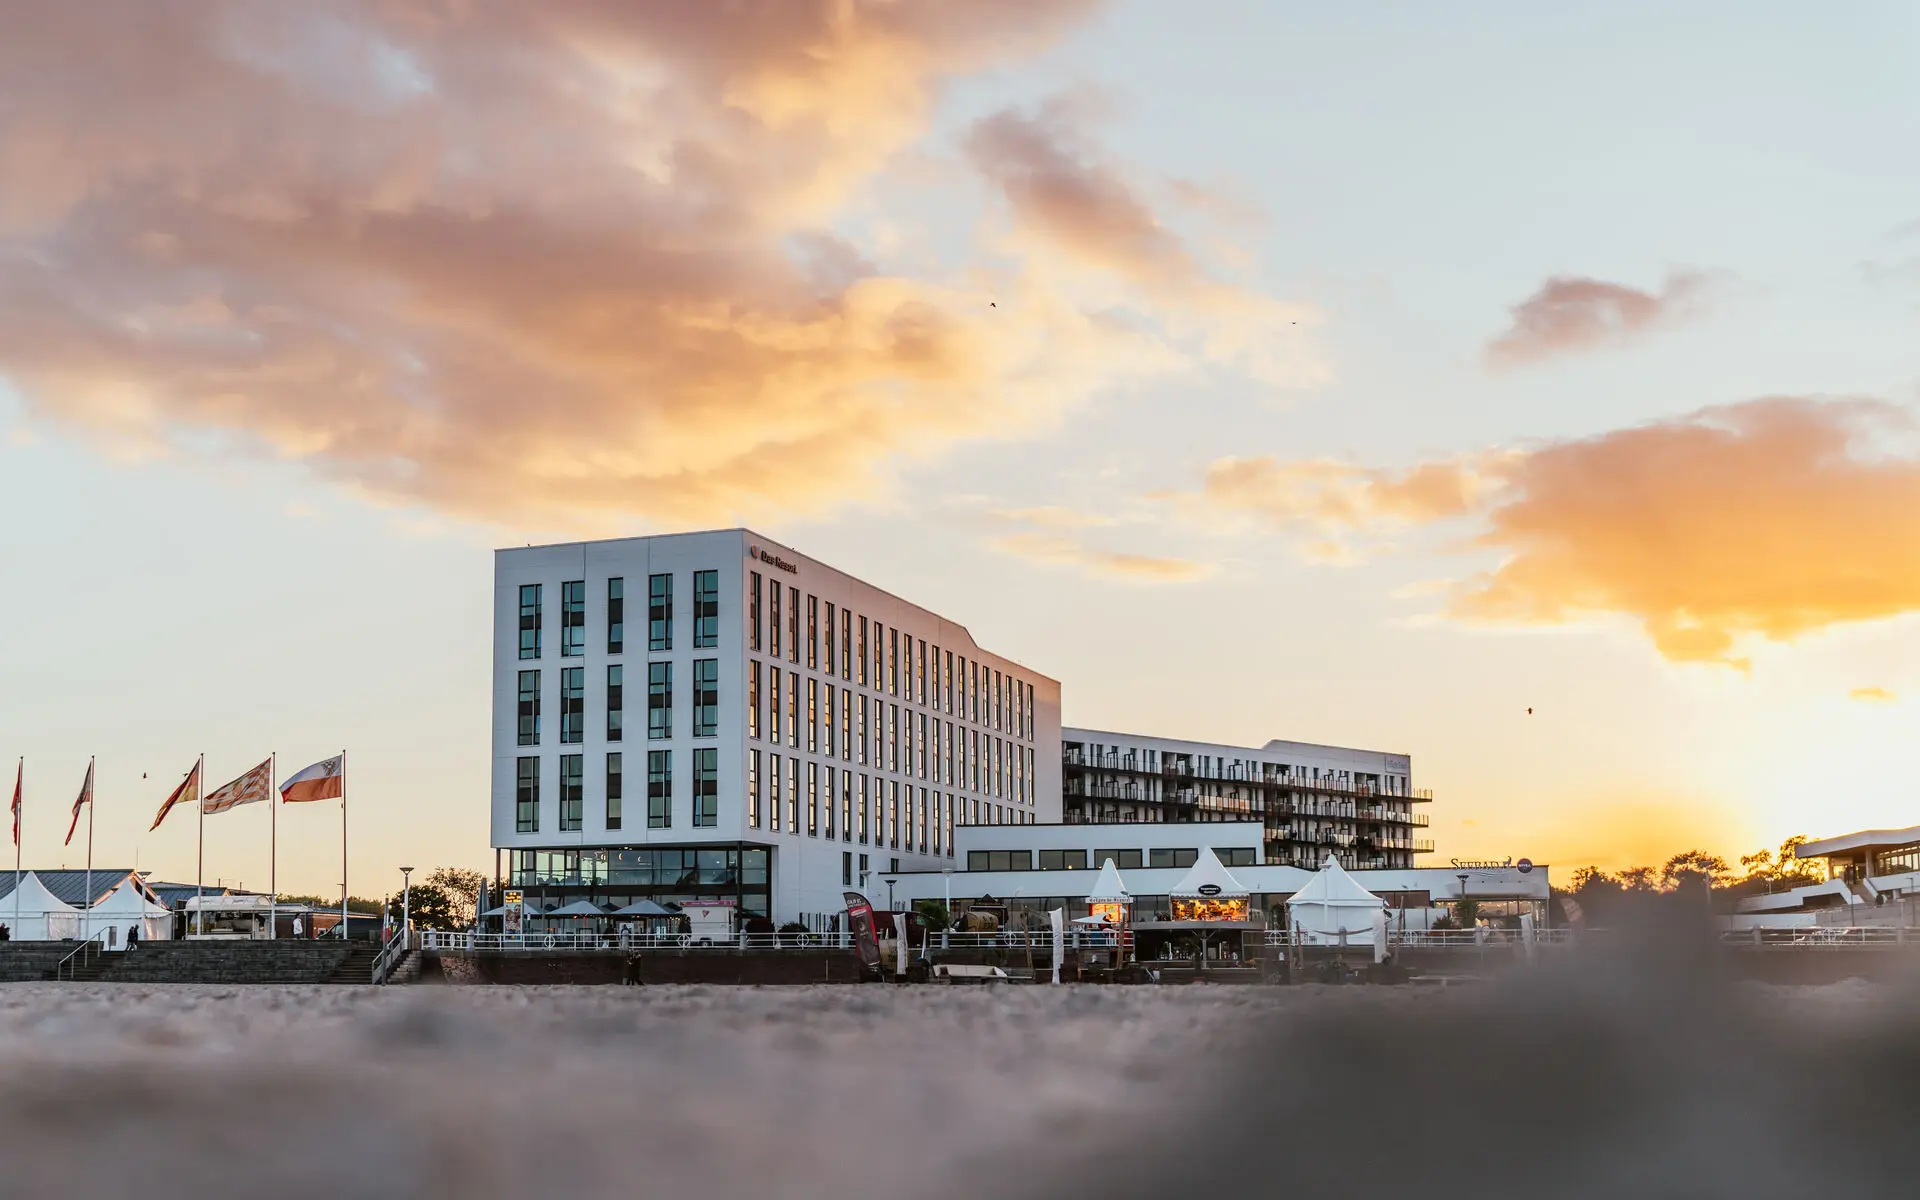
x,y
713,716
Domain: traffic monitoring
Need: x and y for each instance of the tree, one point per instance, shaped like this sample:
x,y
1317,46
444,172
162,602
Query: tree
x,y
355,904
1466,912
1694,868
933,915
462,887
429,904
1637,879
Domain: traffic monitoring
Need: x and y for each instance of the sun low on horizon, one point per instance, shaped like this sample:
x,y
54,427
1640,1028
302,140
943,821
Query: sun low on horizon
x,y
1530,390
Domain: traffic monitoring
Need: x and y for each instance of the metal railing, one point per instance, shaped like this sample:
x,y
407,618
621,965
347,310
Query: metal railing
x,y
82,955
1438,938
1824,937
389,957
1042,938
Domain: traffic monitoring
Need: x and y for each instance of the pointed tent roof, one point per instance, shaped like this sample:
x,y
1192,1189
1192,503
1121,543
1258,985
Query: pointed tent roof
x,y
1331,885
1108,887
35,898
579,908
1207,870
642,907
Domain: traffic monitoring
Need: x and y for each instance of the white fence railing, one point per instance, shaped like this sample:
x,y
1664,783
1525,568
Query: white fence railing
x,y
1824,937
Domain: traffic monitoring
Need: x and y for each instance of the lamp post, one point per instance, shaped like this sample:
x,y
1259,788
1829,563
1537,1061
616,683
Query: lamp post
x,y
406,900
948,881
1459,910
889,881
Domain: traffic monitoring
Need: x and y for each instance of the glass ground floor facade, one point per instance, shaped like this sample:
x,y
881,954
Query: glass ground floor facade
x,y
621,875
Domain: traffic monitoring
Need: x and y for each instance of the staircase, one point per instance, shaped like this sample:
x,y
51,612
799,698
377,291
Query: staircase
x,y
357,967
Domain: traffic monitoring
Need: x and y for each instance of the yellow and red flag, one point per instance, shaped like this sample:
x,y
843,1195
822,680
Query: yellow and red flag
x,y
189,790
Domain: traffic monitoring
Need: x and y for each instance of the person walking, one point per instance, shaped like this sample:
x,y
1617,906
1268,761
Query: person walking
x,y
299,930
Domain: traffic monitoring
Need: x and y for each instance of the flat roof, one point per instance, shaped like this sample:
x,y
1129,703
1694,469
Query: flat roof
x,y
1273,746
1863,840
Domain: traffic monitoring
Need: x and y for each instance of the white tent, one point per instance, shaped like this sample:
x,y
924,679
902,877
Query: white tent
x,y
33,913
1208,879
1107,887
125,909
1332,904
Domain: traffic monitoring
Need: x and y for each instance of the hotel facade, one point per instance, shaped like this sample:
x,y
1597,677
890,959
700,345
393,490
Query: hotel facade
x,y
1311,800
715,717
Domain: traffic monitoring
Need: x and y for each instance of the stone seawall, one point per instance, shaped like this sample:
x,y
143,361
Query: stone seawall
x,y
652,966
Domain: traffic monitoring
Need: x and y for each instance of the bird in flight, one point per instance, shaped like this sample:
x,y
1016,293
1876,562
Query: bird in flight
x,y
1529,712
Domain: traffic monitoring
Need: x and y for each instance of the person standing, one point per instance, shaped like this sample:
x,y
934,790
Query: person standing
x,y
298,928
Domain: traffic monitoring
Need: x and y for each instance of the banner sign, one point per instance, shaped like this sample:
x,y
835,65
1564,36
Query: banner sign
x,y
860,921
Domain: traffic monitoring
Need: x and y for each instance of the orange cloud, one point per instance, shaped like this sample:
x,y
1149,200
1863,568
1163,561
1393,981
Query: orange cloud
x,y
1772,518
546,263
1570,314
1872,695
1061,550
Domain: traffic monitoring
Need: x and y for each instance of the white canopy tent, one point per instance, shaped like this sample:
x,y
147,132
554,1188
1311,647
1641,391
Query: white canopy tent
x,y
1333,908
124,909
34,914
1108,888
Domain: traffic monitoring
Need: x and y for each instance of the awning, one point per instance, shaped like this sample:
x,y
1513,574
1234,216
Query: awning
x,y
579,908
642,908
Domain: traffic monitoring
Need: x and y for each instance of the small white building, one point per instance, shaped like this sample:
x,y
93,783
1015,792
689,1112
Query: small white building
x,y
32,913
104,903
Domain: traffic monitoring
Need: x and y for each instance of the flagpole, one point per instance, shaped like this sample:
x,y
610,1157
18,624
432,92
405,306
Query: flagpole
x,y
200,860
88,936
19,781
273,848
343,847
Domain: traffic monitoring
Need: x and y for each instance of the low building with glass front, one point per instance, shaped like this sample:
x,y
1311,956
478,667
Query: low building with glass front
x,y
795,730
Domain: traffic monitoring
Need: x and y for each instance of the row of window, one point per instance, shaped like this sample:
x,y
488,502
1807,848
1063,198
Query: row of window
x,y
789,793
884,660
1077,860
573,615
704,710
704,793
880,735
690,868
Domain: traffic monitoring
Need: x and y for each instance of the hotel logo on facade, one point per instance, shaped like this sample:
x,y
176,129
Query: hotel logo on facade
x,y
773,560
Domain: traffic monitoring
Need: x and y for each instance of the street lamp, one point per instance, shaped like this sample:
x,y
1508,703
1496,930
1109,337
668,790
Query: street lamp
x,y
1459,910
406,899
889,881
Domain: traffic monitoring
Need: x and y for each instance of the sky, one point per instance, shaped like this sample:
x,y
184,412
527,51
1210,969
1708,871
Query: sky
x,y
1530,389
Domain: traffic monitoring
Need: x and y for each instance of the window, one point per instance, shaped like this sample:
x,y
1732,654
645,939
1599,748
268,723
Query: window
x,y
773,792
920,671
893,814
526,796
893,737
753,789
846,868
753,698
863,870
706,788
529,620
753,611
1236,856
773,706
793,709
573,705
1125,860
829,722
529,708
793,794
706,697
893,661
660,700
846,806
813,799
570,793
861,729
1063,860
813,715
922,808
616,702
616,615
706,609
846,645
773,620
613,790
1158,857
659,789
659,612
813,632
946,684
952,806
846,724
573,619
793,624
827,630
863,652
999,860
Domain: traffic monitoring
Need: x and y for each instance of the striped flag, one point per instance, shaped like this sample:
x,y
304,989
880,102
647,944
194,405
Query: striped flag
x,y
85,798
251,788
321,781
19,777
189,790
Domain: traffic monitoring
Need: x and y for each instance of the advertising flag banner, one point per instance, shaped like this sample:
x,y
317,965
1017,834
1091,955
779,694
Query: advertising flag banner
x,y
19,777
189,791
253,787
860,921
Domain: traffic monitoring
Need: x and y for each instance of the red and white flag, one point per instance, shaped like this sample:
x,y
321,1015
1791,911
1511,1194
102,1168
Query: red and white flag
x,y
189,790
321,781
253,787
19,777
85,798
